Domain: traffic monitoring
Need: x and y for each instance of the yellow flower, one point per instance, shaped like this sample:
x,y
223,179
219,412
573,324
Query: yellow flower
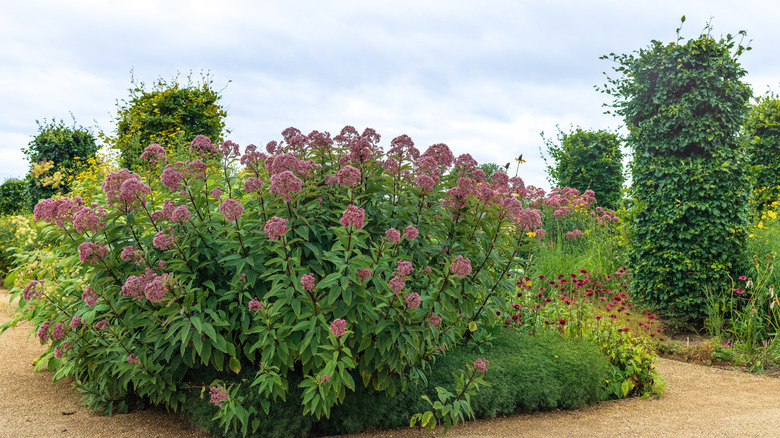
x,y
530,234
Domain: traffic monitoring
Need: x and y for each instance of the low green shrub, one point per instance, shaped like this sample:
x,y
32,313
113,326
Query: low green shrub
x,y
526,373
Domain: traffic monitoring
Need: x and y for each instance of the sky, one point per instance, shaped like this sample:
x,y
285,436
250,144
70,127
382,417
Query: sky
x,y
486,78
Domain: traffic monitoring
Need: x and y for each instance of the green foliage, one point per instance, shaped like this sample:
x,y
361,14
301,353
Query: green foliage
x,y
17,234
527,373
588,160
762,128
683,104
170,114
56,152
13,197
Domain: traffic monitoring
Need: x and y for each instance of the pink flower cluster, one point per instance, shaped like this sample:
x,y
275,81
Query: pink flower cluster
x,y
255,305
171,178
285,184
218,396
130,254
253,185
364,274
403,268
216,192
411,233
202,145
348,176
435,320
308,282
413,300
91,252
397,284
86,219
574,234
461,266
103,324
180,214
163,241
43,331
150,285
75,322
33,288
154,154
353,217
393,236
90,296
231,209
481,364
338,327
276,227
57,211
126,188
132,359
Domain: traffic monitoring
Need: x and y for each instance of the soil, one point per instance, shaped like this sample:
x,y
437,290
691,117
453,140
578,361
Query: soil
x,y
699,402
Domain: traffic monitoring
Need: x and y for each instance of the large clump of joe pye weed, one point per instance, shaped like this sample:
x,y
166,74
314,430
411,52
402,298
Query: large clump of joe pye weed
x,y
320,259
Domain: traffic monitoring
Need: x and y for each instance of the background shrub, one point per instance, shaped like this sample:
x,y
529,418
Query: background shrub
x,y
588,160
13,197
762,129
683,103
170,114
56,152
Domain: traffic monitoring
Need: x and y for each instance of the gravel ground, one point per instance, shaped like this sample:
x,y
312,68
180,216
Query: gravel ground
x,y
699,402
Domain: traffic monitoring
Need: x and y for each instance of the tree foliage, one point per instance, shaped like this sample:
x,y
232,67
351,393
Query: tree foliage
x,y
684,103
170,114
762,128
56,152
588,160
13,196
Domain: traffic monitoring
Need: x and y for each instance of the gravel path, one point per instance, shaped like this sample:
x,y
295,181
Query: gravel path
x,y
699,402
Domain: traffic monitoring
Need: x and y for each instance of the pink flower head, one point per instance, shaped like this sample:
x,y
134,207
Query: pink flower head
x,y
56,211
435,320
133,359
427,270
413,300
403,268
33,288
411,233
58,332
481,364
231,209
742,278
425,183
202,145
58,352
102,325
397,284
353,217
461,267
180,214
348,176
574,234
125,187
308,282
75,322
276,227
156,289
171,178
441,153
338,327
43,332
391,166
216,192
364,274
163,241
255,305
91,252
230,149
393,236
90,296
86,219
285,184
253,185
218,396
154,154
325,378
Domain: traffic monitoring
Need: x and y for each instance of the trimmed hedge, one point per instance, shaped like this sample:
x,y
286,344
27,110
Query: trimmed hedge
x,y
526,373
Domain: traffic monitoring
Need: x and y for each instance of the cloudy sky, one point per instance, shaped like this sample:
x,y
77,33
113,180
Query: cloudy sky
x,y
484,77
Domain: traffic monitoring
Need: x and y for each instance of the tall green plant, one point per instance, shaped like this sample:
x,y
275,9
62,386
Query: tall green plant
x,y
13,196
683,104
170,114
587,160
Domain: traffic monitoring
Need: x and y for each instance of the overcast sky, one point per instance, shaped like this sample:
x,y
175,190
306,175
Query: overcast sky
x,y
484,77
